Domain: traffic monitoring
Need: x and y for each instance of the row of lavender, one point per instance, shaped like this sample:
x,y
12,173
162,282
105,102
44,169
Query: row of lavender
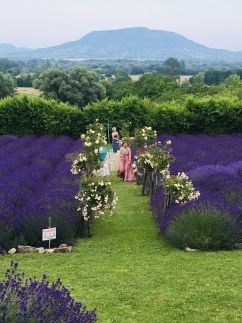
x,y
214,164
35,182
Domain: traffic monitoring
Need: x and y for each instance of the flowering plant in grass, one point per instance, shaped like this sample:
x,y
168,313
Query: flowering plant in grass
x,y
94,137
31,300
180,188
95,197
145,137
88,161
157,159
79,164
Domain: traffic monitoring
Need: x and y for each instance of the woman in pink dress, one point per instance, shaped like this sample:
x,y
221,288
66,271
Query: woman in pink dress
x,y
125,166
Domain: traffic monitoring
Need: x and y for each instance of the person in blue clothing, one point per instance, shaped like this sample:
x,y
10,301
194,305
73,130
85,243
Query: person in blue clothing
x,y
115,140
104,157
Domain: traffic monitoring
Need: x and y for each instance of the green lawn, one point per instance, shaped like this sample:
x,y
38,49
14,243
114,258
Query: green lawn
x,y
131,275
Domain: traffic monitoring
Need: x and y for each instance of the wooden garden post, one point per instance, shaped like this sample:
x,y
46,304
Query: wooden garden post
x,y
88,229
152,175
144,182
166,203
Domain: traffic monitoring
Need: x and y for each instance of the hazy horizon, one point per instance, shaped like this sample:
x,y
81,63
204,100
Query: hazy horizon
x,y
35,23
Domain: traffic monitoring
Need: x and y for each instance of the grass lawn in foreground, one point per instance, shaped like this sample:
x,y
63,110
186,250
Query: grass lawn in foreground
x,y
130,274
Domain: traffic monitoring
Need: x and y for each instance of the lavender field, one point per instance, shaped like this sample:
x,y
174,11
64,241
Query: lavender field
x,y
214,164
35,182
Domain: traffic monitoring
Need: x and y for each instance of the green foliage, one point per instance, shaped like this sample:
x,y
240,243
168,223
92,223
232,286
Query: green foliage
x,y
215,77
121,76
24,80
170,118
205,228
198,78
25,115
232,86
119,90
173,67
10,67
119,86
130,110
156,87
214,115
77,87
7,85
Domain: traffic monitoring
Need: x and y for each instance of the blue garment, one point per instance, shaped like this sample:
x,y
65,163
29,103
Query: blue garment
x,y
103,153
115,145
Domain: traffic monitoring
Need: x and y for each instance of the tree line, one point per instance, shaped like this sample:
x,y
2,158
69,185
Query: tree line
x,y
79,86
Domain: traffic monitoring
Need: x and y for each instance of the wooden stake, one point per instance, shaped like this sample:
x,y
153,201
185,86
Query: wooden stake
x,y
49,220
144,182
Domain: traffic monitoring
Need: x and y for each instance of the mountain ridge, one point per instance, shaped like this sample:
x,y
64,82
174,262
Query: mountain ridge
x,y
139,43
6,48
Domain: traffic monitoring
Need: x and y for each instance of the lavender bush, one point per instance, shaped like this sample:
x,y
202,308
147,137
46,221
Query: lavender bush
x,y
35,182
30,300
214,164
203,227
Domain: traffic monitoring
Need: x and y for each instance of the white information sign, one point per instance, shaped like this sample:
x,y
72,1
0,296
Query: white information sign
x,y
48,234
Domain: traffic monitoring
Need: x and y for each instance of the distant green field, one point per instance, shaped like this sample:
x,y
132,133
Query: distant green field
x,y
136,77
29,91
180,79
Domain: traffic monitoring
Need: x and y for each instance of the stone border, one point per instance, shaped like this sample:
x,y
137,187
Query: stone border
x,y
63,248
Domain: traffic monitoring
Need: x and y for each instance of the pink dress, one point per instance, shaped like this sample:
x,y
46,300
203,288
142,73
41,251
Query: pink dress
x,y
125,166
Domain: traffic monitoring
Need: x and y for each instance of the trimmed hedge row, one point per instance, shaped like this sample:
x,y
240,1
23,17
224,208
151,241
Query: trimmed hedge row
x,y
25,115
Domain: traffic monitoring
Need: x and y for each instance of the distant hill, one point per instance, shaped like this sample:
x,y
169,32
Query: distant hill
x,y
8,50
130,43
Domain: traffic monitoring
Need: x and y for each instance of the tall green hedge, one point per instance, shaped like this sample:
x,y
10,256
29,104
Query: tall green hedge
x,y
210,115
172,118
26,115
131,110
21,115
215,115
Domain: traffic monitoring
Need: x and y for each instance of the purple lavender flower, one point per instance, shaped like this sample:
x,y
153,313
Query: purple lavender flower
x,y
35,183
214,164
31,300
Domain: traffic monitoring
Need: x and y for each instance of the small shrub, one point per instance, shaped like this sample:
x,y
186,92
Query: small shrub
x,y
204,228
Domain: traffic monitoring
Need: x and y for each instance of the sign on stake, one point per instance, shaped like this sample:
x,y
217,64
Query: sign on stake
x,y
49,234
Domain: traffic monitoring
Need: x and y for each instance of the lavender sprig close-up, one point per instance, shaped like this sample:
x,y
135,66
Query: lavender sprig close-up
x,y
31,300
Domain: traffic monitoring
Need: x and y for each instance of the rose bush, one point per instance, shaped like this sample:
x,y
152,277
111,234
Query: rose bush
x,y
145,137
95,197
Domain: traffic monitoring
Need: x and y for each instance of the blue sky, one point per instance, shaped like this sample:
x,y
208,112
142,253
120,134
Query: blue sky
x,y
40,23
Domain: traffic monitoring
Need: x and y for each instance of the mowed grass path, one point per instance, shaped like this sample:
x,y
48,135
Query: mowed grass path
x,y
131,275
